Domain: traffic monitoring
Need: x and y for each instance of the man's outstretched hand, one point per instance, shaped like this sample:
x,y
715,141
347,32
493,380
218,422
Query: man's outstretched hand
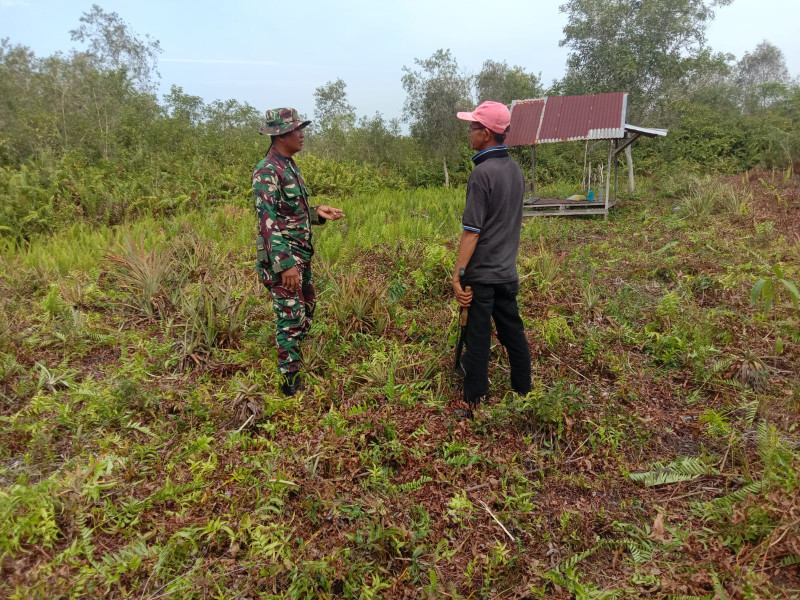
x,y
329,213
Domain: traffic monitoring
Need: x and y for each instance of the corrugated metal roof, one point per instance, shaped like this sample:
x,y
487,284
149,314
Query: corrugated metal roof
x,y
526,116
568,118
648,131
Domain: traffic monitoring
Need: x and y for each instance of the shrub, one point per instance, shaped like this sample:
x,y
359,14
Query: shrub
x,y
555,330
358,305
545,267
27,516
213,315
436,270
143,275
333,178
546,412
707,196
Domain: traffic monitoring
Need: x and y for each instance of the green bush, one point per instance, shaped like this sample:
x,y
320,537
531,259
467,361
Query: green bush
x,y
333,178
27,516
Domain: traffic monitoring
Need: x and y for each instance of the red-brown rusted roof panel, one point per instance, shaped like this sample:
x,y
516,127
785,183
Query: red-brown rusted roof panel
x,y
525,118
569,118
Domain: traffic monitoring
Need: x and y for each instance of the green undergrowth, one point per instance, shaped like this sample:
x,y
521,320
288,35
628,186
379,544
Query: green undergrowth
x,y
145,452
54,193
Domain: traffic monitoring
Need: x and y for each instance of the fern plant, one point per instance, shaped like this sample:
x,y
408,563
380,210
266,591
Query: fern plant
x,y
792,559
681,469
555,330
28,516
412,486
570,580
114,565
776,456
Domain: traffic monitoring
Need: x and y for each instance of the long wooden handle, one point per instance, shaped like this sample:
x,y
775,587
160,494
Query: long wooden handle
x,y
465,311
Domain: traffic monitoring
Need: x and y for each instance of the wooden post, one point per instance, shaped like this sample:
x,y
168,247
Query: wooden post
x,y
584,186
629,159
533,172
608,173
616,164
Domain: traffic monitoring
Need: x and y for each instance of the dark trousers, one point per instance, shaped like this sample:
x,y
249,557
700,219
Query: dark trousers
x,y
498,302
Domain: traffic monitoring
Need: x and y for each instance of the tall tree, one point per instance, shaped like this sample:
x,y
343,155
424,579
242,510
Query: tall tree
x,y
184,107
376,140
113,45
331,106
334,118
229,115
648,48
765,64
17,67
434,93
501,83
761,76
643,47
117,64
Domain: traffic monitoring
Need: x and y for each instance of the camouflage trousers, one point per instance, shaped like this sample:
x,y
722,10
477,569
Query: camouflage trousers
x,y
293,314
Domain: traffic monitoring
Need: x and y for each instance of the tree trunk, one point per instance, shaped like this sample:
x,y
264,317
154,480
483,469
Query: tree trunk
x,y
629,160
446,174
64,116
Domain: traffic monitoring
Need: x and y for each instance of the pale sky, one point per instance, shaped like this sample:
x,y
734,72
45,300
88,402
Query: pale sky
x,y
276,53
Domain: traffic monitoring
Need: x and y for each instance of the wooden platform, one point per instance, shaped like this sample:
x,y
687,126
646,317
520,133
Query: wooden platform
x,y
559,207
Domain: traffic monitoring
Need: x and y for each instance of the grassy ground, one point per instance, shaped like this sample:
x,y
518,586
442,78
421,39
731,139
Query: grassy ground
x,y
144,452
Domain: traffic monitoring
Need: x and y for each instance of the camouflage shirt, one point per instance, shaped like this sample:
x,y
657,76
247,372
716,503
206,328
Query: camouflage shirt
x,y
284,215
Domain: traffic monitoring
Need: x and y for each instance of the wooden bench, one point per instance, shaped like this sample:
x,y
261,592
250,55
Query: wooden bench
x,y
549,207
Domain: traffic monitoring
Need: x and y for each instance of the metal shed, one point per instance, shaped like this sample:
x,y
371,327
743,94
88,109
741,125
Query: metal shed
x,y
574,118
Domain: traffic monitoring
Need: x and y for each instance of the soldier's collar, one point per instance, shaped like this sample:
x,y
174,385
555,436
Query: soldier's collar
x,y
286,159
274,152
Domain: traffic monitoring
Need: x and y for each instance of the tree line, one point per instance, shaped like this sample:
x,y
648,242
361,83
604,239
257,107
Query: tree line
x,y
96,104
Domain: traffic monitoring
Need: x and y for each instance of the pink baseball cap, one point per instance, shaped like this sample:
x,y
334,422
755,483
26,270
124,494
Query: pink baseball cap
x,y
495,116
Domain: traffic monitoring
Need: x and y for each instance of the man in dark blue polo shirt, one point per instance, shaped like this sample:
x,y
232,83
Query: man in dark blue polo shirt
x,y
488,253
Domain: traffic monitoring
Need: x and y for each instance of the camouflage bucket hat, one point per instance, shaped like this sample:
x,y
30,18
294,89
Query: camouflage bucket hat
x,y
282,120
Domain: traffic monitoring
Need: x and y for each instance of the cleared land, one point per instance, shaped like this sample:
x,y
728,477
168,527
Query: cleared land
x,y
145,454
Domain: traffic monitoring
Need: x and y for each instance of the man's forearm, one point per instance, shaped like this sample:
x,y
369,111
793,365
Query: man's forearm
x,y
469,239
315,217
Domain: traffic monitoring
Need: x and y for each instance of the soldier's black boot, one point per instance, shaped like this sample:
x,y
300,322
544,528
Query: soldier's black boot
x,y
292,382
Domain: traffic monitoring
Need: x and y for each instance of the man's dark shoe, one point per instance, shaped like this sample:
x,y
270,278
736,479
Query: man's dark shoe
x,y
472,405
474,402
463,413
292,382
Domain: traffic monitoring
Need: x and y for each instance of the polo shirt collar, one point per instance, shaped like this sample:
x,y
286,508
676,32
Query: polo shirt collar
x,y
493,152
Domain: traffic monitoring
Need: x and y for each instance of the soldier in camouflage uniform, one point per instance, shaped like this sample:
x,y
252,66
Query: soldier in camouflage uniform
x,y
284,239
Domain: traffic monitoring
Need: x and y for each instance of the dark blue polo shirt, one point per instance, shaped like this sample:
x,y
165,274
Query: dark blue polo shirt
x,y
494,211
